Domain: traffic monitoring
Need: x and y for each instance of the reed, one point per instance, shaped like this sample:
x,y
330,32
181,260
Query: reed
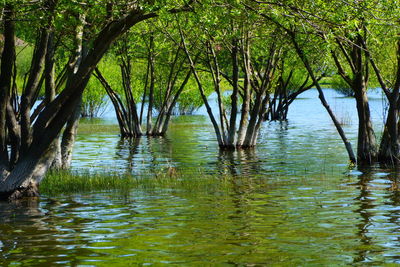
x,y
345,119
96,126
66,182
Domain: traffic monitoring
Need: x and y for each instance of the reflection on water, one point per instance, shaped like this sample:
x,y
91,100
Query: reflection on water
x,y
309,220
231,162
307,142
292,201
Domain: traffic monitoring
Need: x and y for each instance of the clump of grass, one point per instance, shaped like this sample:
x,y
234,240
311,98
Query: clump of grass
x,y
343,116
65,182
345,119
92,128
57,182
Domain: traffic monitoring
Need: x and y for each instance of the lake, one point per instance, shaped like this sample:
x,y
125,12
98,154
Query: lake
x,y
292,201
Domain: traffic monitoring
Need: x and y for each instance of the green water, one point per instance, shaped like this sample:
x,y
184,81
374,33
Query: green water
x,y
313,221
292,201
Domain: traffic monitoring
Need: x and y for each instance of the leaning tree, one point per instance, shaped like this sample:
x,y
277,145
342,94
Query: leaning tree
x,y
362,39
27,146
302,31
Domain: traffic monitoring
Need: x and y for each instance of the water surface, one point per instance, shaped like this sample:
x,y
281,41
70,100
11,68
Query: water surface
x,y
292,201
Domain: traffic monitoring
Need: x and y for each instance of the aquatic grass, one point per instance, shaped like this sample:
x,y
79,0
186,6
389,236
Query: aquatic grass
x,y
66,182
193,182
96,128
345,119
343,115
57,182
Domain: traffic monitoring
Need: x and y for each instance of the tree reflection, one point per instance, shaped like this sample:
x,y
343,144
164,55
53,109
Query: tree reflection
x,y
32,233
379,227
127,149
160,150
365,202
145,155
239,162
393,213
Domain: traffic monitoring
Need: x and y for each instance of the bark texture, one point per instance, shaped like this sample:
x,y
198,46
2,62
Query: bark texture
x,y
35,152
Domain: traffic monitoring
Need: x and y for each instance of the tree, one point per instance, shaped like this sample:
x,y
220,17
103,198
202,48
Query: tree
x,y
161,85
245,50
301,31
31,143
293,80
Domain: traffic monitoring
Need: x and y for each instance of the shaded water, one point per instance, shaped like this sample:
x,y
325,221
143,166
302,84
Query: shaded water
x,y
299,203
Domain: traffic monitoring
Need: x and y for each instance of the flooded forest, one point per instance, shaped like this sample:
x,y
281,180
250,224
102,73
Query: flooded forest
x,y
191,132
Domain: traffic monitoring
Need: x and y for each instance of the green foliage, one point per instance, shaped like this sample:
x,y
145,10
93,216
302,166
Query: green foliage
x,y
110,68
339,85
93,100
23,63
190,100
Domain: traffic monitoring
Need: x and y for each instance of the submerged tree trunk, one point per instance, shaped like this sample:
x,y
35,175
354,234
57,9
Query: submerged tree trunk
x,y
69,136
389,149
6,76
358,59
285,96
244,118
169,104
366,146
234,97
233,133
22,177
129,120
201,90
27,174
261,82
152,84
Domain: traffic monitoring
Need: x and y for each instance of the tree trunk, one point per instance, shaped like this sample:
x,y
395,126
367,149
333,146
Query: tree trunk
x,y
69,136
50,86
215,72
366,147
389,149
144,93
201,89
310,71
32,86
119,108
234,96
50,93
151,89
6,75
244,120
32,165
26,176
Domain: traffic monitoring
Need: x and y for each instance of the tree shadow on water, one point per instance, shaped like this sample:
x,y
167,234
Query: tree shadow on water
x,y
146,155
40,233
241,162
126,150
378,214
